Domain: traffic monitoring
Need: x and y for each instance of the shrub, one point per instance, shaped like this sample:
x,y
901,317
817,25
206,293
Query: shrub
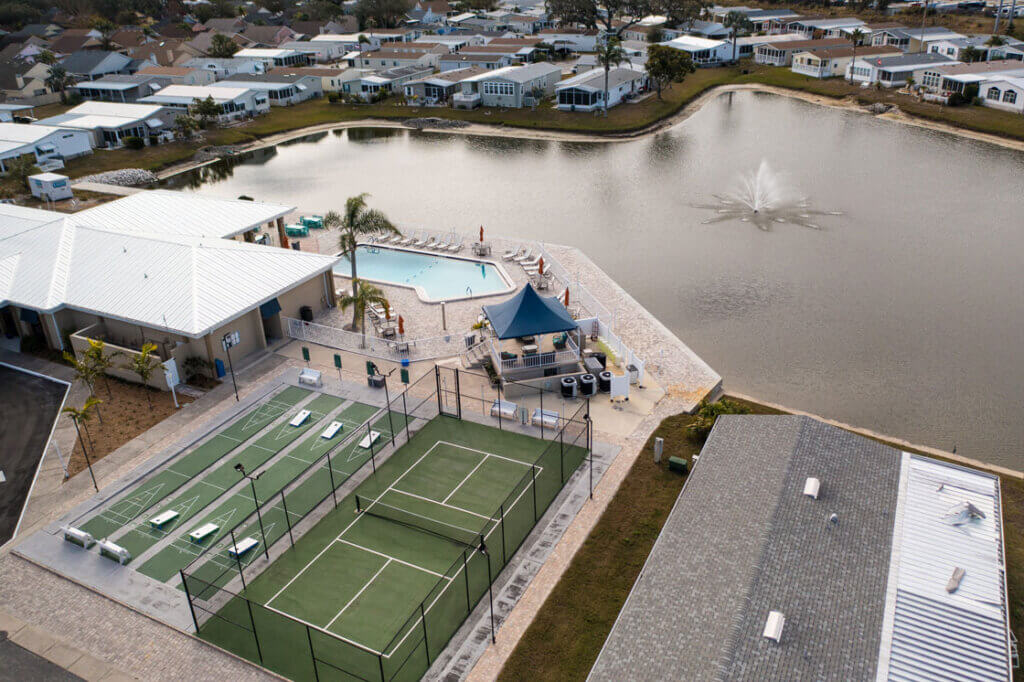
x,y
333,97
707,413
134,142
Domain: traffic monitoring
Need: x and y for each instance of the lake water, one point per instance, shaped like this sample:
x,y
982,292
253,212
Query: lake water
x,y
905,314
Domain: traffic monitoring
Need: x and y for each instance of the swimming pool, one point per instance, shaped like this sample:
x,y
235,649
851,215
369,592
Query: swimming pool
x,y
435,277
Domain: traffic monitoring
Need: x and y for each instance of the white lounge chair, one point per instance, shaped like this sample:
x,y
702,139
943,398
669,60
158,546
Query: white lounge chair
x,y
525,257
455,247
442,244
393,239
512,254
530,264
422,241
409,240
429,244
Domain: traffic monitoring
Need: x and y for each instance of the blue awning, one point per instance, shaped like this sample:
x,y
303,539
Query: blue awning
x,y
527,314
30,316
270,308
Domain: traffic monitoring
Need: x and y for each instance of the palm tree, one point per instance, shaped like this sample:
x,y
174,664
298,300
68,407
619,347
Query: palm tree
x,y
609,52
79,416
96,356
358,221
856,35
736,22
58,79
363,295
970,54
142,365
87,372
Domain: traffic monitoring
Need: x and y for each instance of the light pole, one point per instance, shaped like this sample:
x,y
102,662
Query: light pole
x,y
240,468
229,340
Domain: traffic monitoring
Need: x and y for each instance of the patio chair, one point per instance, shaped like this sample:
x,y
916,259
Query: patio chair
x,y
506,355
512,254
395,239
559,340
442,244
423,241
530,263
455,247
525,257
408,241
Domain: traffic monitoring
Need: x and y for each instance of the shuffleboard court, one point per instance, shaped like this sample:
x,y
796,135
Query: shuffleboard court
x,y
29,406
217,482
124,511
219,567
166,563
378,586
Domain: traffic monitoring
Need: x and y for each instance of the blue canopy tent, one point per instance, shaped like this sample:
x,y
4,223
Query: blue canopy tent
x,y
528,314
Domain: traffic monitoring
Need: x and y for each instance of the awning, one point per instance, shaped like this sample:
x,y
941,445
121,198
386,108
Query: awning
x,y
270,308
300,86
46,148
527,314
30,316
154,122
155,86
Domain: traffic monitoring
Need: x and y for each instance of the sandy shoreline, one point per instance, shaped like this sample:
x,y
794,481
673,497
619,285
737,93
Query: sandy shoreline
x,y
653,129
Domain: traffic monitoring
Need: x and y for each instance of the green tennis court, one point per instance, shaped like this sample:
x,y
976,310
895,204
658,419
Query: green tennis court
x,y
148,493
204,491
376,594
165,564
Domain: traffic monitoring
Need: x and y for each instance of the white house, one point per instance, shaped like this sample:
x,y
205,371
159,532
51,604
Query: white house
x,y
1003,92
895,71
511,86
42,142
389,81
833,61
573,39
235,103
108,124
271,57
282,89
348,42
703,52
224,67
386,58
585,92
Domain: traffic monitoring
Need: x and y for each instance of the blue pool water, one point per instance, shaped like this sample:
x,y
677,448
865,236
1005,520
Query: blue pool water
x,y
438,277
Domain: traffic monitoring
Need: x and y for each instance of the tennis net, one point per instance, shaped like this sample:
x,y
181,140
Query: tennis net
x,y
468,537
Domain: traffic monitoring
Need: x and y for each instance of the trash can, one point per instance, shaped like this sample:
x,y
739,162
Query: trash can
x,y
588,385
306,313
568,387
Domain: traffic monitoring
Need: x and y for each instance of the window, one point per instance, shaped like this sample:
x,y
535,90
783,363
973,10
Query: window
x,y
1010,97
491,88
993,94
931,79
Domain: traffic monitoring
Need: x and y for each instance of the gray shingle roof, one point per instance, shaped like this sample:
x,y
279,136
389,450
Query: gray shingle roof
x,y
743,540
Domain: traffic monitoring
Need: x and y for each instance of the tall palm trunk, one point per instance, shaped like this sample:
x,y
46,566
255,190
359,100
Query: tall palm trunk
x,y
607,68
355,292
85,452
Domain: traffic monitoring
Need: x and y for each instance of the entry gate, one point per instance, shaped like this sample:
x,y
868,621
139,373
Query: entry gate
x,y
449,401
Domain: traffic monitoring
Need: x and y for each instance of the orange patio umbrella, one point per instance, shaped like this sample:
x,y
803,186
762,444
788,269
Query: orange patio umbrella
x,y
540,265
481,233
401,325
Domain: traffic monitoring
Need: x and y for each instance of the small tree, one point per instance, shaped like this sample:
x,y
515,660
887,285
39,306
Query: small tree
x,y
358,221
363,295
856,36
205,109
143,366
970,54
79,417
21,167
99,361
186,124
57,79
222,46
86,372
667,65
736,22
46,57
609,53
707,413
106,28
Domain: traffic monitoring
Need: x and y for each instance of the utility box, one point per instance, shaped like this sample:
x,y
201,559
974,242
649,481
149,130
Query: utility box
x,y
659,447
50,186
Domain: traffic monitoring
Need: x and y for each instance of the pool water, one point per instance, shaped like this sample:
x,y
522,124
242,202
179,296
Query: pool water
x,y
435,277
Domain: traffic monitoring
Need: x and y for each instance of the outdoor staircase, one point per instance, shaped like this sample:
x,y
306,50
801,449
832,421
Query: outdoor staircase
x,y
473,357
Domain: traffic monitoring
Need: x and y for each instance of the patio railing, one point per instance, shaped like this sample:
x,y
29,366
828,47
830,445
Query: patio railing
x,y
387,349
535,360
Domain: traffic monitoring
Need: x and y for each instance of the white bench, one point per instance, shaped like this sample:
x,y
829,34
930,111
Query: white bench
x,y
331,430
242,547
79,537
504,408
311,377
548,418
116,552
300,418
203,531
369,438
162,518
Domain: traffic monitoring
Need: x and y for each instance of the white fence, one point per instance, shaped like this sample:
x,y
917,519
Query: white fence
x,y
375,346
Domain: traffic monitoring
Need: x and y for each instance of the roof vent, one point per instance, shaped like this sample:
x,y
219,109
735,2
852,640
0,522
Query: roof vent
x,y
962,513
773,626
833,519
811,487
954,580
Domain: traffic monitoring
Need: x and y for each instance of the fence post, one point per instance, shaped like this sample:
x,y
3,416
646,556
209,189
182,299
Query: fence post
x,y
192,610
330,472
238,559
387,406
533,475
287,520
259,650
490,594
426,642
312,654
458,395
497,392
541,391
440,397
369,435
561,454
590,450
380,664
405,414
465,570
501,509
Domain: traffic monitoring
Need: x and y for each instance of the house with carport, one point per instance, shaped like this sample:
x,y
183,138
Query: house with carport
x,y
281,89
439,88
48,146
108,124
157,267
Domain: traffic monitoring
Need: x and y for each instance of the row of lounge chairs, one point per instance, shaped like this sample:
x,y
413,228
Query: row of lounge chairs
x,y
450,243
525,257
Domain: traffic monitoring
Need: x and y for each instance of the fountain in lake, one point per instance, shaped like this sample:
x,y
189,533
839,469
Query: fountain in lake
x,y
763,198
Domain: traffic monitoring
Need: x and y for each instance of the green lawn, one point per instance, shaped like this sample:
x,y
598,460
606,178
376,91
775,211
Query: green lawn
x,y
392,592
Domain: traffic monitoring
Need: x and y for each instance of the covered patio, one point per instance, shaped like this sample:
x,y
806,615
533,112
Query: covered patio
x,y
532,336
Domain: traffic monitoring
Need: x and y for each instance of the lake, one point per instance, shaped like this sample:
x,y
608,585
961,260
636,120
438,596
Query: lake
x,y
905,314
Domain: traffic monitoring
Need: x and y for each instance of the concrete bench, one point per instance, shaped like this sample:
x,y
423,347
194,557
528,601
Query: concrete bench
x,y
311,377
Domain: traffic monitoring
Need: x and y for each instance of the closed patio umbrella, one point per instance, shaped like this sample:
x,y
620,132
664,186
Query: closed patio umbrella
x,y
481,233
540,265
401,325
566,301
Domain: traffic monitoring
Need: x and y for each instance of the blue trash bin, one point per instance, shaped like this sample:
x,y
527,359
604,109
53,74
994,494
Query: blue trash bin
x,y
218,365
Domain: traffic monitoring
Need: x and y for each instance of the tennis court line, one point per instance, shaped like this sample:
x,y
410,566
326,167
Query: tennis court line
x,y
320,629
389,557
356,596
345,530
466,478
484,452
450,506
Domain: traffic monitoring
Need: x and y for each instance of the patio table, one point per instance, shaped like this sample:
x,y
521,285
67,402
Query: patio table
x,y
529,349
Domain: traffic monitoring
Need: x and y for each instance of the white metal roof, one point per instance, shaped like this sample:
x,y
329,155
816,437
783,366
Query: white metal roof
x,y
177,213
23,134
264,53
185,94
91,115
48,177
183,283
336,38
928,631
694,43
